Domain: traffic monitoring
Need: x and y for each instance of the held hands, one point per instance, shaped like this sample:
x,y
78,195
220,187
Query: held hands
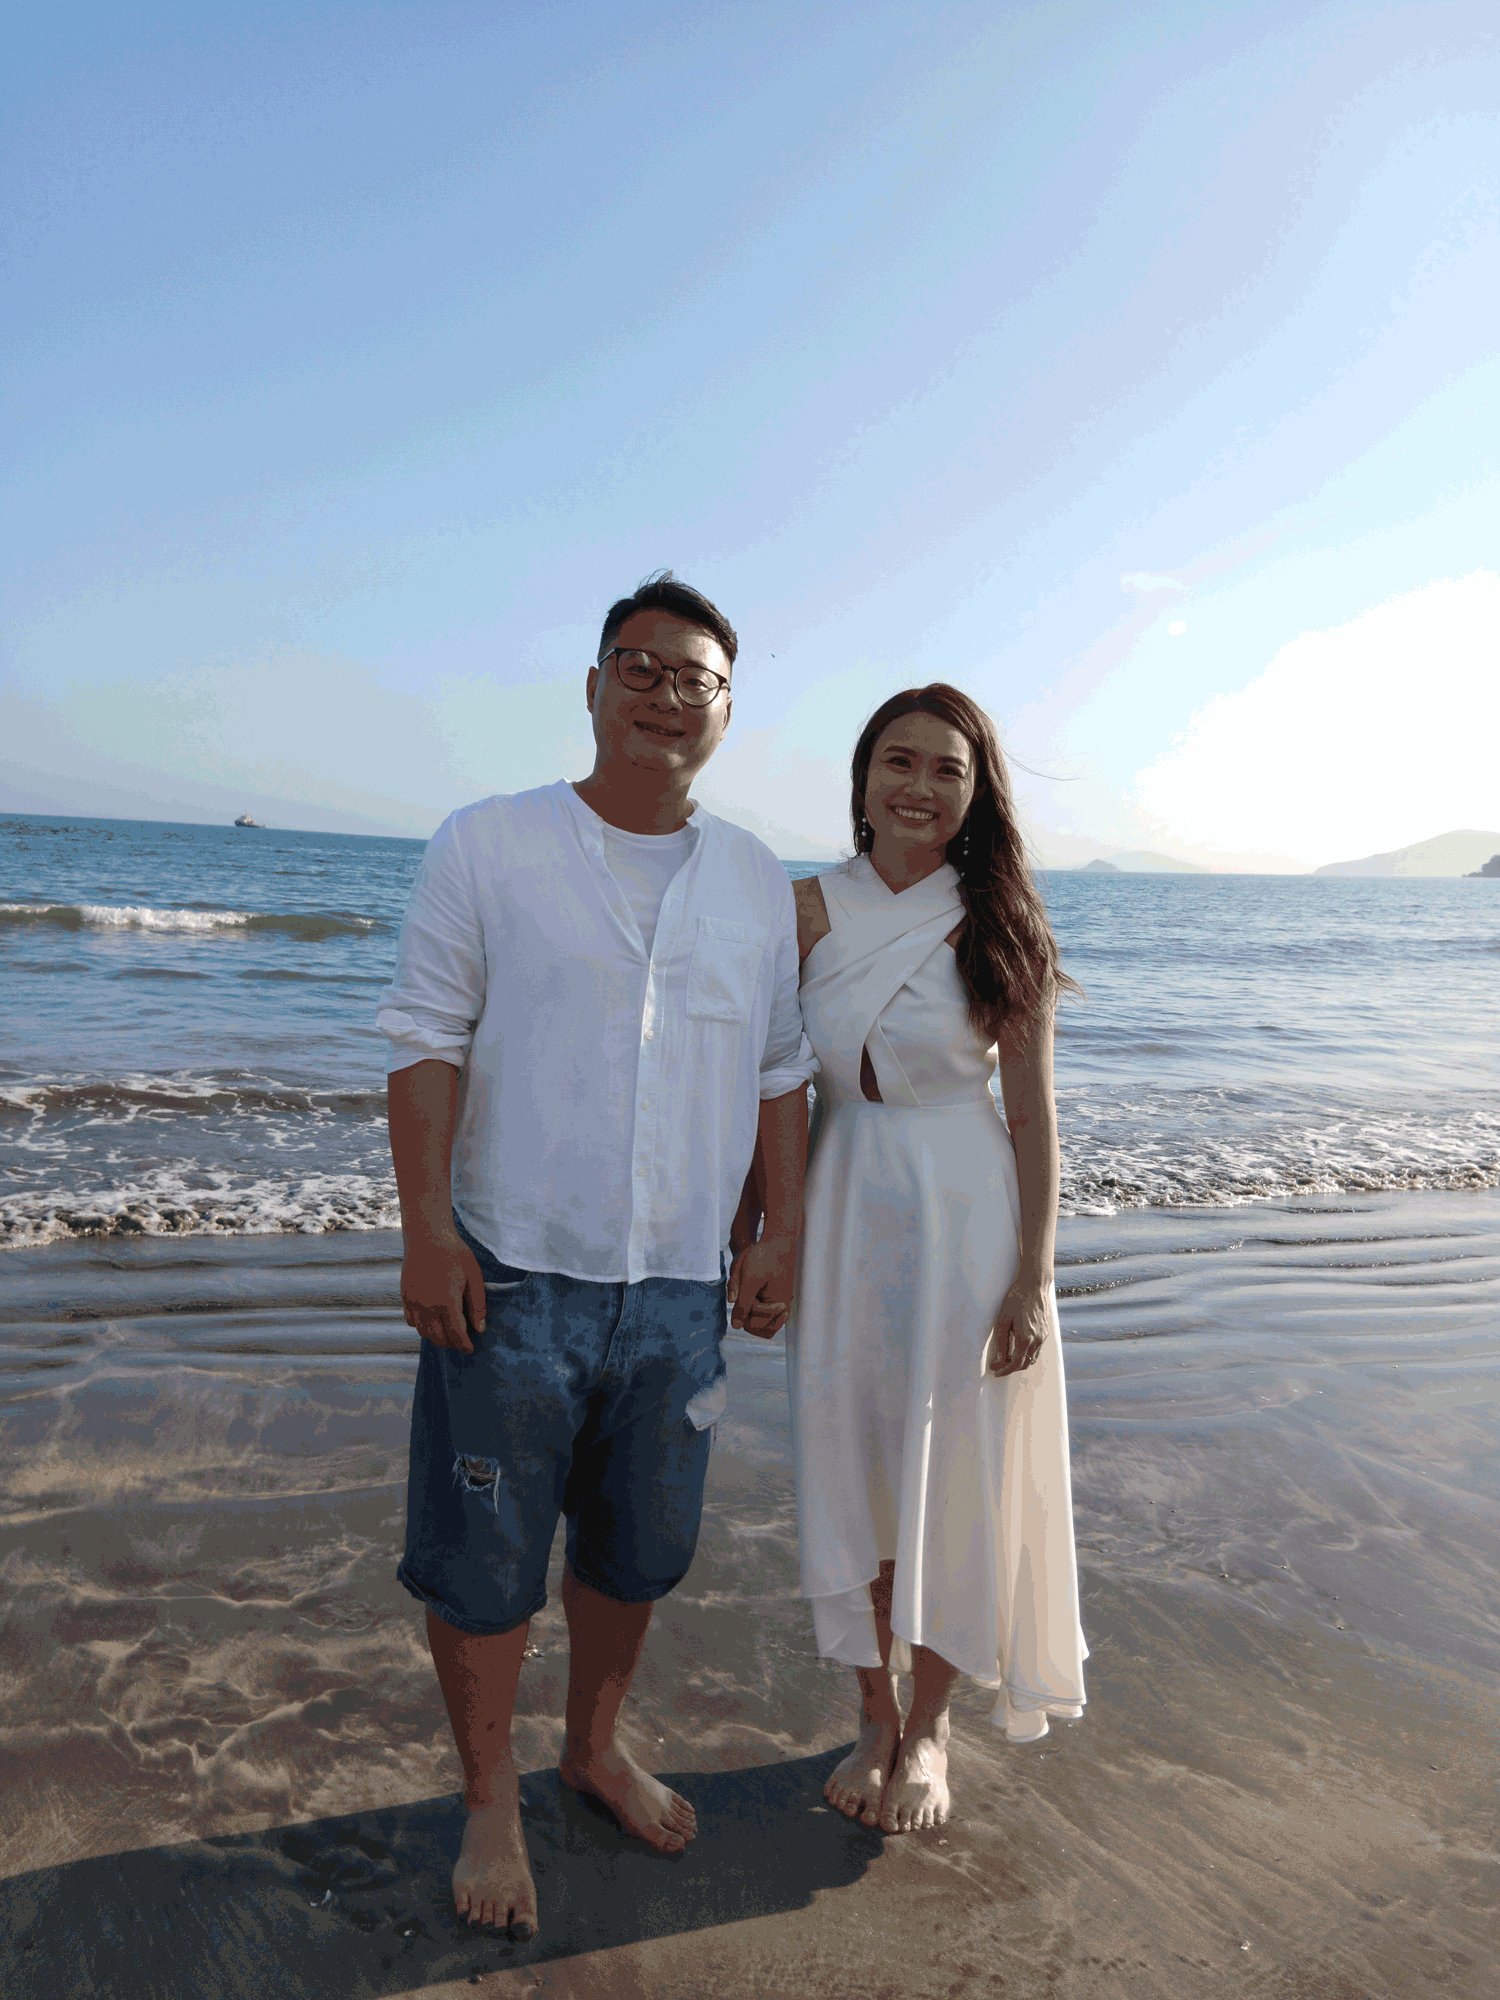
x,y
1022,1324
442,1291
760,1285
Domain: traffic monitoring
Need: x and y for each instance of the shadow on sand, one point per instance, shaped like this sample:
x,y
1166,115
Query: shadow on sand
x,y
361,1904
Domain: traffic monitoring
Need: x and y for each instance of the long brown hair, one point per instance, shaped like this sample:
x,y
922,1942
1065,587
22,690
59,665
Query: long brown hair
x,y
1007,955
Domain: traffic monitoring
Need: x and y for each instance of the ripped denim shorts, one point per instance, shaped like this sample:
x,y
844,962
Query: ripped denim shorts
x,y
593,1401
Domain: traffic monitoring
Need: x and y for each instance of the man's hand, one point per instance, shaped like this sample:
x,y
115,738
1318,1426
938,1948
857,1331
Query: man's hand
x,y
760,1285
442,1290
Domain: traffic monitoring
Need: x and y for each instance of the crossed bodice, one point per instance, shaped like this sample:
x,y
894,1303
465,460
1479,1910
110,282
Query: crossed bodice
x,y
885,980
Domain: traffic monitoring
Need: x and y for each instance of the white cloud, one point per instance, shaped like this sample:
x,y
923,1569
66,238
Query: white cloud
x,y
1145,579
1352,741
1177,627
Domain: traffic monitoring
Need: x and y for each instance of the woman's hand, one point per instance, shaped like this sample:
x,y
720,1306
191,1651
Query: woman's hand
x,y
1022,1324
1027,1312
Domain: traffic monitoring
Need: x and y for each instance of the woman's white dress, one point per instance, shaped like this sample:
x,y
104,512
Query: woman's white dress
x,y
904,1449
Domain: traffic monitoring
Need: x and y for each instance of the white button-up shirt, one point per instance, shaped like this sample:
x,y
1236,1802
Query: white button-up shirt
x,y
607,1096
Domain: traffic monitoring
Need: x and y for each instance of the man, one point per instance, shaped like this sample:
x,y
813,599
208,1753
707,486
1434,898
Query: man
x,y
594,1018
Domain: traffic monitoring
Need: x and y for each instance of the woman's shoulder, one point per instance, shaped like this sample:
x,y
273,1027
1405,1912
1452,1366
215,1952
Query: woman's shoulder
x,y
813,922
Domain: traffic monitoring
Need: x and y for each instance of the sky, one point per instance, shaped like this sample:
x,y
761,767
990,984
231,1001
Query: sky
x,y
1133,367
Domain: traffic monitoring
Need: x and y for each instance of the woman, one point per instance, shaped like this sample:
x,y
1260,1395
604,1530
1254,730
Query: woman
x,y
923,1352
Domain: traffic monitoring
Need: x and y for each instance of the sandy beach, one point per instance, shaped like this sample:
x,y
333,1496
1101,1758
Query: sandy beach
x,y
226,1769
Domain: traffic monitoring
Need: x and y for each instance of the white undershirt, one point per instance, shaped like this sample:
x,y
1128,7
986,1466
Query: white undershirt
x,y
643,864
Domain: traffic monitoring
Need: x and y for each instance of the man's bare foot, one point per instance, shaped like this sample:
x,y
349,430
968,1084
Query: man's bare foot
x,y
492,1877
643,1805
856,1786
917,1794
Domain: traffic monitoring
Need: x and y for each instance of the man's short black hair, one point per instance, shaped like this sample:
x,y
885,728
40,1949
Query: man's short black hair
x,y
663,592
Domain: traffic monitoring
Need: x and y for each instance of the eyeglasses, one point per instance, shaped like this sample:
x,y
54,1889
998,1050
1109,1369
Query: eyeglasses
x,y
640,672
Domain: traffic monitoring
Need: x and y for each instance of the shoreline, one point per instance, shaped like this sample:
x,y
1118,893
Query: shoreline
x,y
1284,1426
175,1217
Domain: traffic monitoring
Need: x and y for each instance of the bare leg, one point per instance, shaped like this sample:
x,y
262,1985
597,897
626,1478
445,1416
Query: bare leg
x,y
492,1877
917,1794
606,1639
857,1785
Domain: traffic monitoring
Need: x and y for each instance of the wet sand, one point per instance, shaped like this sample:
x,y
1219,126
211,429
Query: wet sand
x,y
225,1769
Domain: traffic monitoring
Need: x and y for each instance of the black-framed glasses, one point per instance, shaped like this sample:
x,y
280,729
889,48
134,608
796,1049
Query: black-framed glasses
x,y
641,671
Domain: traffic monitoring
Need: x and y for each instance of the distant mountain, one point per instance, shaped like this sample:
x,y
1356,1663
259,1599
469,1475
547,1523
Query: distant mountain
x,y
1444,854
1141,861
786,843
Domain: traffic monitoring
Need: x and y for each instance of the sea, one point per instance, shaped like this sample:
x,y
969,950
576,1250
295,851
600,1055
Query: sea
x,y
187,1042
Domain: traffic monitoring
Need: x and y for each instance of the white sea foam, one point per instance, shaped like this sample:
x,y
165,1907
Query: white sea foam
x,y
173,1201
1168,1150
123,916
150,1156
230,1154
310,924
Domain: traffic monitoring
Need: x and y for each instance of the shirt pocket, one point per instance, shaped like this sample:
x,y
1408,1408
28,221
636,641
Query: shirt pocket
x,y
725,970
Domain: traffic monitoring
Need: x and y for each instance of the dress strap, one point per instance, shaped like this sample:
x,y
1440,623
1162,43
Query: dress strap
x,y
840,895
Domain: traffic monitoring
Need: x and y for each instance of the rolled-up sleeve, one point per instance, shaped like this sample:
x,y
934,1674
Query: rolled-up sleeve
x,y
787,1059
432,1005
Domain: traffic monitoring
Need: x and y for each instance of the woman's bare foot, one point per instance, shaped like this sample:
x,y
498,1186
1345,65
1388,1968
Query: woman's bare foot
x,y
643,1805
917,1794
856,1786
492,1876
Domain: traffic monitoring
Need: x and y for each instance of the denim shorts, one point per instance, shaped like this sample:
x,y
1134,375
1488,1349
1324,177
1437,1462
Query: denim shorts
x,y
595,1401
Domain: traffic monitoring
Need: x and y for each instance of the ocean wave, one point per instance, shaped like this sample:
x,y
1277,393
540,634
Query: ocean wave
x,y
158,972
310,925
277,975
130,1097
240,1152
1101,1191
1211,1151
169,1202
120,917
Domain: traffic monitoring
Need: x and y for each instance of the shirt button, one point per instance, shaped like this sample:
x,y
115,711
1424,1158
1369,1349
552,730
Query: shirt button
x,y
650,1035
645,1104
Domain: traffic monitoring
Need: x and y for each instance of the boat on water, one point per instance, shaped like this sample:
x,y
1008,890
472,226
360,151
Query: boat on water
x,y
245,820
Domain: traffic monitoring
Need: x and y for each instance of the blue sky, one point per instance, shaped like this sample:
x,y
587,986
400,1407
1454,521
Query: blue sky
x,y
1092,357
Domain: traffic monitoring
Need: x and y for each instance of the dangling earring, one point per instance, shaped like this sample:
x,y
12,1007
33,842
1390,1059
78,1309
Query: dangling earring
x,y
864,830
963,852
